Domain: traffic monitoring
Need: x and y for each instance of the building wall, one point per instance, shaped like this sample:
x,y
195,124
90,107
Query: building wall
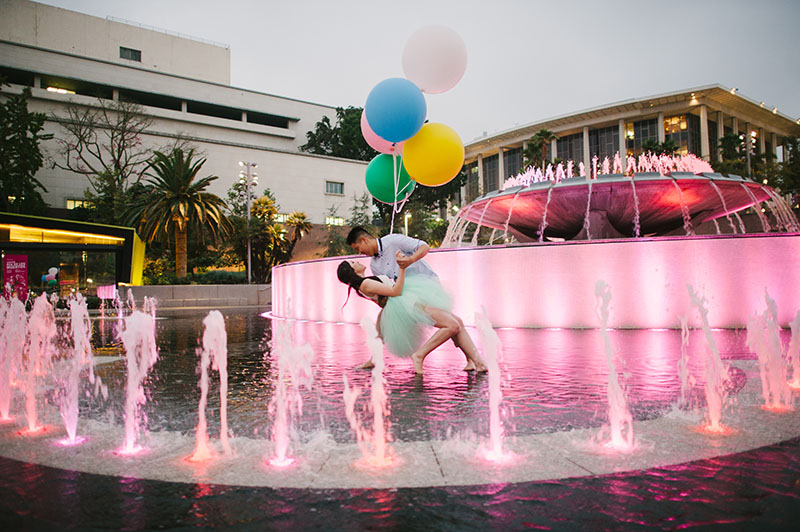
x,y
59,29
246,125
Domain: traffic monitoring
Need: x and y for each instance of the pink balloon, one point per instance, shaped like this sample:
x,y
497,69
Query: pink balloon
x,y
50,277
435,59
376,142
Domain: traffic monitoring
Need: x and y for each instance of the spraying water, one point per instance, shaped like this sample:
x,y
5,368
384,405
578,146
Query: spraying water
x,y
492,352
374,446
214,352
80,355
14,329
715,372
41,332
763,338
620,420
140,353
294,364
683,362
793,352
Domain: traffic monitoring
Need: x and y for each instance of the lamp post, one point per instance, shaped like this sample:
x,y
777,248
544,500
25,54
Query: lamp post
x,y
249,179
405,221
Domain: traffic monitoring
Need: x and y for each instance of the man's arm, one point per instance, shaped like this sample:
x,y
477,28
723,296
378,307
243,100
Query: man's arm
x,y
404,261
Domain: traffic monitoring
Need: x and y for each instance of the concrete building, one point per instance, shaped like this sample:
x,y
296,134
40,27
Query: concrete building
x,y
694,119
183,84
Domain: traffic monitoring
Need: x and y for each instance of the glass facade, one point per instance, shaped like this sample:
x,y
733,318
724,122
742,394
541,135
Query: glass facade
x,y
638,132
490,173
604,142
712,140
512,163
684,131
472,181
570,147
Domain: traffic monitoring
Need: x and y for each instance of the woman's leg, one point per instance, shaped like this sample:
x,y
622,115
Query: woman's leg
x,y
464,342
447,326
369,364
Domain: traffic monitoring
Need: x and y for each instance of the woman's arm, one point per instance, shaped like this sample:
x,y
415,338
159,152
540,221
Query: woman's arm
x,y
373,287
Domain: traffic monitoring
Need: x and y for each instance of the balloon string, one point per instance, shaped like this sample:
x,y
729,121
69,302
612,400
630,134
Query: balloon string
x,y
396,183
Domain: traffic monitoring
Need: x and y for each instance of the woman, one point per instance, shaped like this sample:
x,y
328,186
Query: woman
x,y
408,306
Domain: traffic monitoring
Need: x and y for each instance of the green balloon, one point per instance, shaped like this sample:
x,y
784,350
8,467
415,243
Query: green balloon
x,y
380,179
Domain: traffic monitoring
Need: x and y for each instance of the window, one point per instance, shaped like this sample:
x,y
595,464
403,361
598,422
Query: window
x,y
281,217
73,203
334,220
332,187
490,170
130,53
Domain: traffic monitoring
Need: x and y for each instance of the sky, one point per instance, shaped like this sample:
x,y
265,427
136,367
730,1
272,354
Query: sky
x,y
527,60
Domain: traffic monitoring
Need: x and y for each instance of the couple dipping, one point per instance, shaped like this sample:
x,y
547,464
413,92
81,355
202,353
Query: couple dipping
x,y
409,300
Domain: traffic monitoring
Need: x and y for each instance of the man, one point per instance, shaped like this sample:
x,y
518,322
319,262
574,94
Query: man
x,y
383,251
387,261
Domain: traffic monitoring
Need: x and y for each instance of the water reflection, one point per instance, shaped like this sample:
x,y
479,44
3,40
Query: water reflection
x,y
555,379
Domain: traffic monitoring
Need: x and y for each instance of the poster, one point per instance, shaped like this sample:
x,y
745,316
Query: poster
x,y
15,274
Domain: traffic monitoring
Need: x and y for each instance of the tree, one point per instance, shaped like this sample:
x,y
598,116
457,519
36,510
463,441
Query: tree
x,y
731,148
20,155
538,146
173,203
342,139
104,143
668,147
790,168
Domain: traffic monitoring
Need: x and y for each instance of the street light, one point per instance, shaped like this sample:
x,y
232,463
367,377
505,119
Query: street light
x,y
249,179
405,220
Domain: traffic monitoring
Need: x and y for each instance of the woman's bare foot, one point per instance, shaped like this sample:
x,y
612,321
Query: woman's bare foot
x,y
480,367
366,365
470,366
418,360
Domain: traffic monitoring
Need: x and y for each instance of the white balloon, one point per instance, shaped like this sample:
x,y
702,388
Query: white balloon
x,y
435,59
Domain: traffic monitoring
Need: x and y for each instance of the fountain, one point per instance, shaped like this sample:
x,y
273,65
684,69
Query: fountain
x,y
141,353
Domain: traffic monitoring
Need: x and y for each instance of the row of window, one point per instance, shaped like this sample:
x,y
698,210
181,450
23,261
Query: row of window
x,y
149,99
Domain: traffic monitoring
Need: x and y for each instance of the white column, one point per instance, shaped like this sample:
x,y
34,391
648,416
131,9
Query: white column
x,y
720,134
553,149
773,140
184,106
623,150
748,144
762,141
735,125
481,184
587,158
115,95
660,126
705,153
501,168
244,116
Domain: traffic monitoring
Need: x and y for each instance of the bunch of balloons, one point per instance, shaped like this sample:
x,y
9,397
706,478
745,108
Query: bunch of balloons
x,y
50,278
393,121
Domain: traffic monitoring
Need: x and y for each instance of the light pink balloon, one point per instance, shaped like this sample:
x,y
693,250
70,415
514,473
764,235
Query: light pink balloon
x,y
435,59
377,143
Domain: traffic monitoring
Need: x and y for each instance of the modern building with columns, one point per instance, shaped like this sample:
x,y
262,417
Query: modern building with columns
x,y
694,119
182,84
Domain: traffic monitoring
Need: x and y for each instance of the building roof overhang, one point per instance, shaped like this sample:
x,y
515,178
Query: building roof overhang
x,y
715,97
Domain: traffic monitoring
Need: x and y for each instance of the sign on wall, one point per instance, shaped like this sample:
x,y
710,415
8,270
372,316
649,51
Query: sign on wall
x,y
15,274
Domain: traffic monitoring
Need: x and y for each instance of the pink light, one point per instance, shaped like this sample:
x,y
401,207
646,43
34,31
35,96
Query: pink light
x,y
716,430
201,454
66,442
281,462
32,431
8,419
795,385
129,451
377,462
497,456
778,408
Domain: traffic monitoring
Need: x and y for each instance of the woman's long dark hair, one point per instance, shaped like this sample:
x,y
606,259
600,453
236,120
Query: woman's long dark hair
x,y
348,276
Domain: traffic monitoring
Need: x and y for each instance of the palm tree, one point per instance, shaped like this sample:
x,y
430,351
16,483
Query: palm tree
x,y
174,203
297,224
537,145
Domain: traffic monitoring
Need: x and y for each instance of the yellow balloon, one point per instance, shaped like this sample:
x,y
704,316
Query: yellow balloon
x,y
434,155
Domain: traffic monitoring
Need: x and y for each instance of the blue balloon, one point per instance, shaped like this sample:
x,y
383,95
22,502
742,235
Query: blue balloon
x,y
44,278
395,109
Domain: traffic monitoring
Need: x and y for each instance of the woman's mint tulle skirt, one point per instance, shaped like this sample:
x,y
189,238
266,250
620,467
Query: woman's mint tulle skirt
x,y
403,322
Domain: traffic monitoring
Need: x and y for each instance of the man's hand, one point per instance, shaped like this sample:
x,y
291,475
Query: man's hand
x,y
402,260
